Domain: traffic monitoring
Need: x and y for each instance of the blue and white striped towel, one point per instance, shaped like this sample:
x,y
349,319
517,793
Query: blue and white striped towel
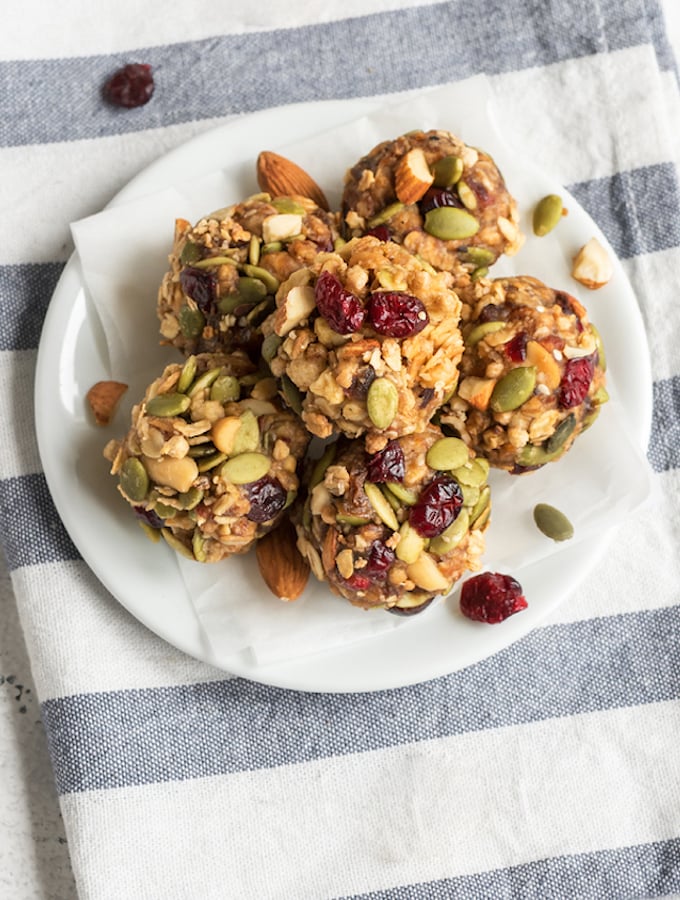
x,y
549,770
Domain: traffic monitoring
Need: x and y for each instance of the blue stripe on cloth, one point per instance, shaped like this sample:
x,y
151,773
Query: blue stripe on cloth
x,y
33,533
25,293
114,739
643,870
363,56
637,210
664,444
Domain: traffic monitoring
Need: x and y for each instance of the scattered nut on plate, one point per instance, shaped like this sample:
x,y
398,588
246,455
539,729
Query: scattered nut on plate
x,y
283,569
592,266
281,177
103,398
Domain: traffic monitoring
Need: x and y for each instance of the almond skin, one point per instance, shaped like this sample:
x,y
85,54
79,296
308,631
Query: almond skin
x,y
284,570
412,176
281,177
103,398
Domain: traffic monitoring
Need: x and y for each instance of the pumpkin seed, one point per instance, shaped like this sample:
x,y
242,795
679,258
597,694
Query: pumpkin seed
x,y
166,405
204,381
467,195
447,171
480,256
187,375
245,468
447,453
321,465
210,462
537,455
480,512
291,394
176,544
286,205
450,223
513,389
272,247
254,249
547,213
407,497
552,522
191,253
601,358
212,261
479,272
191,498
198,546
472,474
354,521
449,539
380,506
394,502
480,331
470,494
134,479
269,280
385,214
247,438
382,402
561,434
270,346
225,389
191,322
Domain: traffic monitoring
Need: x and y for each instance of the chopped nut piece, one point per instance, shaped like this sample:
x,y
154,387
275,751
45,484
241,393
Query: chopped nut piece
x,y
412,176
592,266
103,398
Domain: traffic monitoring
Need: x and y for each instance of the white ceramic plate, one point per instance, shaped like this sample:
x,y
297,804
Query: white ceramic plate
x,y
73,356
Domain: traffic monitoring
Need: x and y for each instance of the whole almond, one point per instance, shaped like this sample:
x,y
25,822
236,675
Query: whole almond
x,y
284,570
281,177
103,398
412,176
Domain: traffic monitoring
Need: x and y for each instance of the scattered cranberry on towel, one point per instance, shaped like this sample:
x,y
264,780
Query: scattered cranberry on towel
x,y
130,86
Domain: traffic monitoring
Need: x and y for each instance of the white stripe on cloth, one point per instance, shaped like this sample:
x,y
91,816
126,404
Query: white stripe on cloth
x,y
386,818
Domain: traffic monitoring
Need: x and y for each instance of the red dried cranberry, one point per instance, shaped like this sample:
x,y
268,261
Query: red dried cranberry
x,y
437,507
267,498
396,314
382,232
436,197
361,382
491,597
342,309
573,388
387,464
130,86
379,561
358,582
516,348
150,516
201,286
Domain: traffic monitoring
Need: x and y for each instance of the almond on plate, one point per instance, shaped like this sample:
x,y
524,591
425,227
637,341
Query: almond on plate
x,y
103,398
284,570
279,177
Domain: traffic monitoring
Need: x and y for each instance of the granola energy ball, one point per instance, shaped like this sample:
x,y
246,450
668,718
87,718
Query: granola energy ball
x,y
211,458
441,199
369,339
532,374
225,270
395,528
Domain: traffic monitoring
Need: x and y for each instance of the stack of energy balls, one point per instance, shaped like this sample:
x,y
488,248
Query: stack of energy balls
x,y
377,331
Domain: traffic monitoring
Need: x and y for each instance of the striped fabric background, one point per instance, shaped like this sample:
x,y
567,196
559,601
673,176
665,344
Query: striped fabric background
x,y
550,770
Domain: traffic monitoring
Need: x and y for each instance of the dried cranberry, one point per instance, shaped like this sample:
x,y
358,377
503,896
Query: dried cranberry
x,y
358,582
380,559
201,286
267,498
436,197
382,232
578,374
361,382
341,309
396,313
387,464
491,597
150,516
437,507
516,348
130,86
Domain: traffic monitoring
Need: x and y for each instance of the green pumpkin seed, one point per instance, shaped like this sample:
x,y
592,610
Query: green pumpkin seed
x,y
354,521
561,434
552,522
204,381
321,465
210,462
447,171
410,545
270,346
537,455
292,394
449,539
403,494
176,544
166,405
246,468
286,205
480,256
187,375
269,280
163,510
480,331
391,499
479,272
191,498
382,402
272,247
472,474
134,479
385,214
153,534
600,396
225,389
191,322
601,358
547,213
480,512
261,311
590,418
447,453
470,494
513,389
247,438
191,253
251,290
212,261
380,506
198,546
254,249
450,223
198,451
